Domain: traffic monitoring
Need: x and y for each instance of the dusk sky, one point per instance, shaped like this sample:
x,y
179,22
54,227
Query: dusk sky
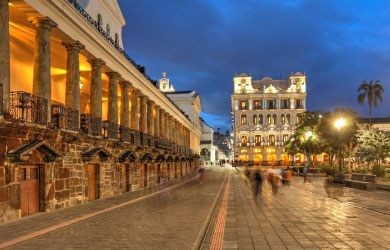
x,y
201,44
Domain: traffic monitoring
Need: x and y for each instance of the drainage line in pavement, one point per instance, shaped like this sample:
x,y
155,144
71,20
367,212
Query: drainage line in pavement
x,y
84,217
206,225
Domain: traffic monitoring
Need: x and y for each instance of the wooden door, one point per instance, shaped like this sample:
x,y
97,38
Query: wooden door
x,y
125,178
29,189
92,186
158,174
144,175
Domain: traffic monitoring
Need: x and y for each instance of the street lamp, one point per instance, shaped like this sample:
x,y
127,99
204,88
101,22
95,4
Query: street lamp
x,y
309,135
339,124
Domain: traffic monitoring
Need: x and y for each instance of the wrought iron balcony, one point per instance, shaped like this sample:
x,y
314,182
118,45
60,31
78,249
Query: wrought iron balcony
x,y
91,125
125,134
137,137
63,117
110,129
144,139
26,107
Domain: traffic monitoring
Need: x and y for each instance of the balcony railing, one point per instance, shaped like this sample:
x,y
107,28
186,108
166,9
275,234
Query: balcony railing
x,y
164,144
110,129
63,117
137,137
125,134
152,141
26,107
91,125
144,139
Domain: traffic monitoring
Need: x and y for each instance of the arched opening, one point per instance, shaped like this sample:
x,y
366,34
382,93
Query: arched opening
x,y
254,119
274,119
261,119
243,119
288,119
244,140
283,119
268,119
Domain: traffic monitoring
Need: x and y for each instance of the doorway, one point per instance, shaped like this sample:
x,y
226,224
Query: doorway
x,y
158,174
125,178
175,171
144,175
93,182
29,189
168,171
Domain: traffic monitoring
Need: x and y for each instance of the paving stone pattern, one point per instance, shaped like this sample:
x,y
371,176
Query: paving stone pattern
x,y
171,220
297,219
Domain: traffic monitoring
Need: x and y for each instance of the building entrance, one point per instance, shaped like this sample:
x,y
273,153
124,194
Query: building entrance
x,y
93,184
29,189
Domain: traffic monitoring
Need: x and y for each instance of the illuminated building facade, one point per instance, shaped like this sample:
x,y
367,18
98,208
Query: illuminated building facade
x,y
264,115
79,119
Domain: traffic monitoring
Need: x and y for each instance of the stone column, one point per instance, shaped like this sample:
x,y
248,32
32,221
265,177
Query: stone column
x,y
157,122
150,127
95,93
166,128
143,117
162,135
72,92
125,108
112,111
4,53
134,109
177,132
170,128
42,62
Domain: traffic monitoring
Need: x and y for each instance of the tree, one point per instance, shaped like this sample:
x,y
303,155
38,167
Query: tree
x,y
331,138
372,91
299,142
374,145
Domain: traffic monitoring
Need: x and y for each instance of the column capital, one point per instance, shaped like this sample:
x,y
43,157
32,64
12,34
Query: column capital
x,y
43,22
150,102
96,62
125,84
157,107
73,46
113,75
136,91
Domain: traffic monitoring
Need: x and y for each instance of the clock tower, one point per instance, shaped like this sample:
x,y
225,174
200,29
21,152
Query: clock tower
x,y
164,84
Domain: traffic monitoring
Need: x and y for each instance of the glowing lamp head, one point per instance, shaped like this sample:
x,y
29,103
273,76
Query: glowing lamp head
x,y
339,123
309,134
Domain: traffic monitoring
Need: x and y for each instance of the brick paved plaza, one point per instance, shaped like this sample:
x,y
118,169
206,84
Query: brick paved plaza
x,y
298,217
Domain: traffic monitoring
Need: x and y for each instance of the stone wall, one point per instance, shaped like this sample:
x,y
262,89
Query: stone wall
x,y
64,180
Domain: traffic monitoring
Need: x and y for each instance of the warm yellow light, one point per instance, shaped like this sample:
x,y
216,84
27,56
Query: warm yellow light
x,y
81,84
10,4
269,150
309,134
339,123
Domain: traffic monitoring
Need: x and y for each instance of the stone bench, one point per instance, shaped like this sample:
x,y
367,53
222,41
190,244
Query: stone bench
x,y
362,181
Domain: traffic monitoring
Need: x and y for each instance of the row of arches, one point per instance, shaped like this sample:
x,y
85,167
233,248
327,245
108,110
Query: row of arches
x,y
271,139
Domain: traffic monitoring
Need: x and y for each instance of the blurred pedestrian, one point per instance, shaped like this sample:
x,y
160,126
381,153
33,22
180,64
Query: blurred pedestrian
x,y
202,174
256,181
288,176
283,176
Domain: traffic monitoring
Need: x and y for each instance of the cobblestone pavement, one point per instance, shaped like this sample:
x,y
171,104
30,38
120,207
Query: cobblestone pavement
x,y
169,220
298,218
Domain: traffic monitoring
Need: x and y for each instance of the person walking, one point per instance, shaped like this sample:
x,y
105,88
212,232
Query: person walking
x,y
202,174
288,176
256,182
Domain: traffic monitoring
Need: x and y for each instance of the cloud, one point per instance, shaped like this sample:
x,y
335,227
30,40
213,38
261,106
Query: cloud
x,y
201,44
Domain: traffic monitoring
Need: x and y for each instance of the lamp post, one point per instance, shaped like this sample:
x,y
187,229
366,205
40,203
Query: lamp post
x,y
339,124
309,135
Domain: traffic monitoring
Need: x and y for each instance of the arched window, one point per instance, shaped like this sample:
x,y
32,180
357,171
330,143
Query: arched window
x,y
116,38
283,119
243,119
274,119
254,119
288,119
108,29
261,119
243,140
100,20
298,118
268,119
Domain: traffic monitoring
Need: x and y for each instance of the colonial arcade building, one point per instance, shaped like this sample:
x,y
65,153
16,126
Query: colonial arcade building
x,y
80,120
265,113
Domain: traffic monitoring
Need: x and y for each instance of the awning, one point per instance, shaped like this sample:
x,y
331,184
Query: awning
x,y
100,151
160,158
127,155
146,157
43,147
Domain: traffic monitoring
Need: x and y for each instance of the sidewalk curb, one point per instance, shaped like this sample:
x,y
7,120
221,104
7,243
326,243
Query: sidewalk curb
x,y
206,225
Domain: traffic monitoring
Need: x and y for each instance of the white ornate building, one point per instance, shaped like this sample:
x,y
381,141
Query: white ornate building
x,y
264,114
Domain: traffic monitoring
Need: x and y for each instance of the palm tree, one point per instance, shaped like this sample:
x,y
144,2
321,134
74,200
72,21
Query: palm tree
x,y
373,92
